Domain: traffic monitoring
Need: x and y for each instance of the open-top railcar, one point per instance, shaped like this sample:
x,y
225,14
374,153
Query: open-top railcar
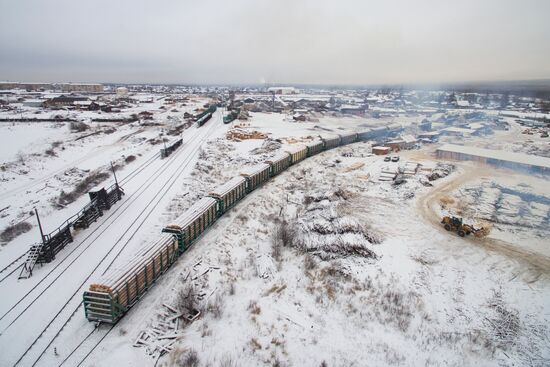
x,y
256,175
193,222
229,193
112,295
278,164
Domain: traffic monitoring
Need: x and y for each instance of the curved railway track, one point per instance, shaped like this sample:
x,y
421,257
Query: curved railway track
x,y
154,202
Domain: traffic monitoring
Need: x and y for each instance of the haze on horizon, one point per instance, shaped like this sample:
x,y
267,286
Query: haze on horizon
x,y
255,41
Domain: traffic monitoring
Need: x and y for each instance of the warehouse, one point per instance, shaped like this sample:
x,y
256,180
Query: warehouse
x,y
498,158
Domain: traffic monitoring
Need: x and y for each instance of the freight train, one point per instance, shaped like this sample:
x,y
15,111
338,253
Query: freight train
x,y
112,296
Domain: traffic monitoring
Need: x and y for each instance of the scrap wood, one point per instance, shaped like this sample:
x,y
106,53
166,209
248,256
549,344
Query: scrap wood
x,y
170,308
169,336
193,317
175,317
354,166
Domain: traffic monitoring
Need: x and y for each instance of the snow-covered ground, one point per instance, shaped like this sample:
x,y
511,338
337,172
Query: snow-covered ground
x,y
424,298
324,263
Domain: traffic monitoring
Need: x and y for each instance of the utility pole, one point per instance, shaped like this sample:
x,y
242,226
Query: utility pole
x,y
40,226
114,174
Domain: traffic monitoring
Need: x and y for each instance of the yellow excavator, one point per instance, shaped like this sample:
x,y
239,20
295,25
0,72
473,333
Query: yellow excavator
x,y
455,224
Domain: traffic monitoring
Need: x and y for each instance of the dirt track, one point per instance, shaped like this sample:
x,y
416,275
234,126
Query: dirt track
x,y
536,264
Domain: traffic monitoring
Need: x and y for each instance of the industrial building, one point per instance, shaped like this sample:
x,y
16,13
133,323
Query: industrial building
x,y
498,158
82,87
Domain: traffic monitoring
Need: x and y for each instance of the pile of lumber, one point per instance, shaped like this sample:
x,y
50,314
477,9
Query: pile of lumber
x,y
387,174
410,168
241,134
354,166
159,338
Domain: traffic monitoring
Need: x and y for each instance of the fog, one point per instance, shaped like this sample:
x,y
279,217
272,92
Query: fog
x,y
239,41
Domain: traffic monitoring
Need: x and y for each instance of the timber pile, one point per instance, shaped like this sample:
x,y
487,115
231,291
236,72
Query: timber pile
x,y
354,166
167,326
240,134
131,279
160,337
387,174
410,168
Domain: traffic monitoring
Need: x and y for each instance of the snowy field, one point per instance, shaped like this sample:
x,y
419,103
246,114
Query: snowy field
x,y
324,265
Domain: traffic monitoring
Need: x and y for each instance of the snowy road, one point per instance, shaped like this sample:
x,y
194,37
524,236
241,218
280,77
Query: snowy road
x,y
34,311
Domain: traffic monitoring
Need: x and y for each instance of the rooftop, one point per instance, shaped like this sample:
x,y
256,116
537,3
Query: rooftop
x,y
522,158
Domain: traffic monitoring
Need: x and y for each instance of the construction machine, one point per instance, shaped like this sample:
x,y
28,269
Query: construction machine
x,y
455,224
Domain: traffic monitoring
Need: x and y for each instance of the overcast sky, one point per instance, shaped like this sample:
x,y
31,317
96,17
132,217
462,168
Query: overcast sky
x,y
277,41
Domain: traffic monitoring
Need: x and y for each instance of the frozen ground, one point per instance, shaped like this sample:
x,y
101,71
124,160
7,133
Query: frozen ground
x,y
324,263
366,279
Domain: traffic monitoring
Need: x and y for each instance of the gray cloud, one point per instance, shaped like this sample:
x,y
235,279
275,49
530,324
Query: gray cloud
x,y
246,41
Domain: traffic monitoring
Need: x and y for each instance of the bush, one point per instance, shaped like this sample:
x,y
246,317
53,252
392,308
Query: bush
x,y
189,359
215,306
50,152
78,127
187,301
10,232
282,236
130,159
309,262
83,187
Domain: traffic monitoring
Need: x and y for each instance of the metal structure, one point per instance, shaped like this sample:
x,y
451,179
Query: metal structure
x,y
55,241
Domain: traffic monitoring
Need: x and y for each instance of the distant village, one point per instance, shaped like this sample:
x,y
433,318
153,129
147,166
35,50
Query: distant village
x,y
458,114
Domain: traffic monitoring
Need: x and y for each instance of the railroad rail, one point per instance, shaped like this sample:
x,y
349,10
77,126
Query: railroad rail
x,y
154,201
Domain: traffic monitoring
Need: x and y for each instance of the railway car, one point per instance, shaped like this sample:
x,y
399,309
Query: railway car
x,y
193,222
314,147
278,164
363,135
109,298
348,138
229,194
230,116
165,152
255,176
204,119
331,142
297,153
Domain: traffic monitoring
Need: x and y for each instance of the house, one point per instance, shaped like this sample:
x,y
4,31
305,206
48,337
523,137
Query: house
x,y
378,150
299,117
353,109
499,158
282,90
456,131
395,145
145,115
462,104
429,136
64,101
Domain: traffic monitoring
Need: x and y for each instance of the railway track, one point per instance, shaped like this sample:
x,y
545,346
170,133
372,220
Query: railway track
x,y
119,209
152,204
123,181
19,259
